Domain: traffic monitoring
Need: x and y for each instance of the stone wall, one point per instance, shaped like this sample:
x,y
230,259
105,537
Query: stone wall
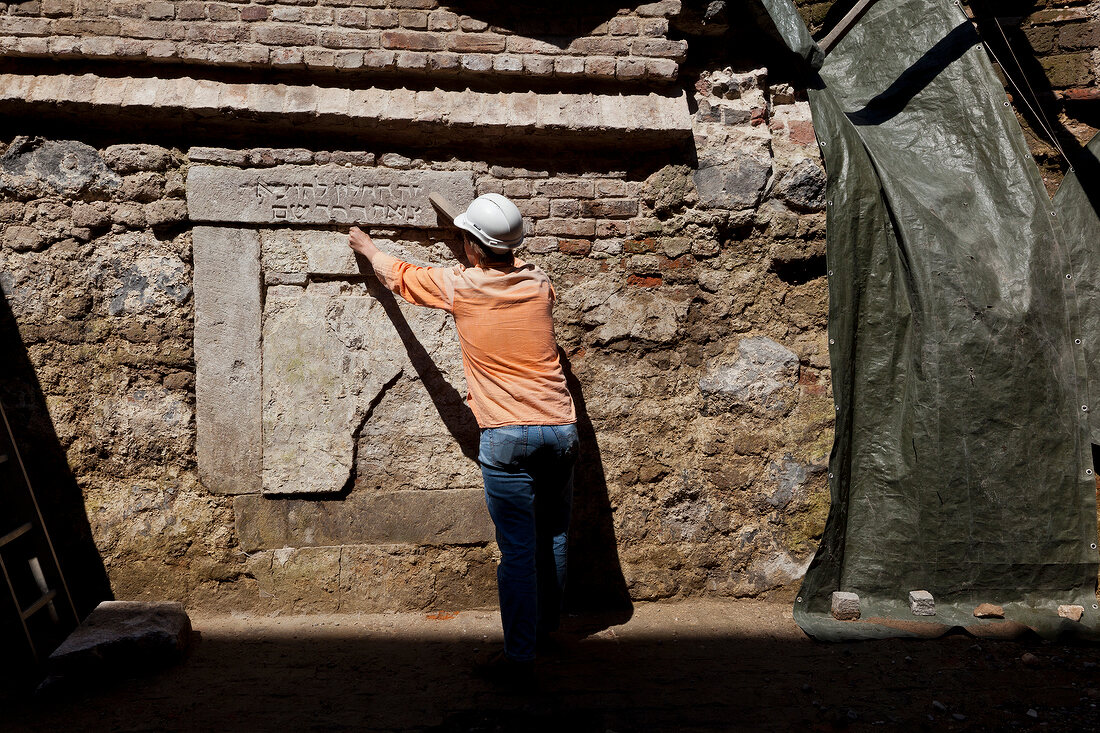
x,y
255,424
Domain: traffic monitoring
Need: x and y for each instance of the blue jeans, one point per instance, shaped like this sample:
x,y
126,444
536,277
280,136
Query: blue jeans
x,y
528,473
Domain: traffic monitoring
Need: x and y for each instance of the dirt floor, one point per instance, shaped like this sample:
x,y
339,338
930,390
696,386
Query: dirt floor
x,y
690,666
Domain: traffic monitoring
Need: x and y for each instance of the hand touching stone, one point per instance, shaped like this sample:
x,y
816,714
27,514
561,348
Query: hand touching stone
x,y
361,242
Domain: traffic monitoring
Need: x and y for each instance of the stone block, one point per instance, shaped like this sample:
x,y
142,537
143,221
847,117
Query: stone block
x,y
921,603
762,368
1073,613
322,195
439,517
732,184
227,358
125,636
845,606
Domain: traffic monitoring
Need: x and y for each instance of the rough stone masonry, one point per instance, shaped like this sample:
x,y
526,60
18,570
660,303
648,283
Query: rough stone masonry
x,y
254,424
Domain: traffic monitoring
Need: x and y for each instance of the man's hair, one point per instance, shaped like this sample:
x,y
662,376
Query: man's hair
x,y
487,256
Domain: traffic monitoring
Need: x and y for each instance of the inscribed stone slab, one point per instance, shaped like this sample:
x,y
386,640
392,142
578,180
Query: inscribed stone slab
x,y
445,517
227,358
322,194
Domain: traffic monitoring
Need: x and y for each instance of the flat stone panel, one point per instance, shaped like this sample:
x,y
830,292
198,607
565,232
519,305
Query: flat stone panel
x,y
445,517
322,194
317,252
327,357
228,358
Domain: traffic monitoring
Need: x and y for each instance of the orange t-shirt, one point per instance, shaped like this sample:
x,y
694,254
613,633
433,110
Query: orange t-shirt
x,y
506,330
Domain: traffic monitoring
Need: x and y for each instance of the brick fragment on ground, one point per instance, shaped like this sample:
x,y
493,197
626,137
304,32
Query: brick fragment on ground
x,y
921,603
988,610
1073,613
845,606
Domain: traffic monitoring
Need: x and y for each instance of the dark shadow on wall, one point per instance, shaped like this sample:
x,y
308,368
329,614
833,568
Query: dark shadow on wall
x,y
59,499
597,589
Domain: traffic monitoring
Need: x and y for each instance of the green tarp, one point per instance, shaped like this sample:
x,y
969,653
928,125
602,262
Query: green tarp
x,y
961,327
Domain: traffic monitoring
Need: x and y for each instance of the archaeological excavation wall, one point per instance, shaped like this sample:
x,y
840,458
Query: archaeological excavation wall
x,y
254,423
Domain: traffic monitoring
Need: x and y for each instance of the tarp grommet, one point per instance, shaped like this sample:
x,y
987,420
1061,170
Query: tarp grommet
x,y
1069,277
1093,545
1088,471
1077,341
1084,408
832,341
799,599
1007,103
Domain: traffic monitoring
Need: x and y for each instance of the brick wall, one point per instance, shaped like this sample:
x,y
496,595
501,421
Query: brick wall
x,y
410,36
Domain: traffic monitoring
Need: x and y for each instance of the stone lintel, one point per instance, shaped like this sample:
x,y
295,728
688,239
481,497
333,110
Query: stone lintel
x,y
437,517
228,359
321,194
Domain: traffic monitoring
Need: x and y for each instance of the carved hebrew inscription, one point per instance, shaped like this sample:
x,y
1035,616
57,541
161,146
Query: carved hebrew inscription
x,y
291,194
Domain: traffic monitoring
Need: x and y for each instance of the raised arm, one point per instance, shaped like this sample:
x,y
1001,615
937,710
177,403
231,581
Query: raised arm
x,y
428,286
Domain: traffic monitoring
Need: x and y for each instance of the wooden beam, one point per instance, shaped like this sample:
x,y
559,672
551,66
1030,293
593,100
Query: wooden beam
x,y
846,23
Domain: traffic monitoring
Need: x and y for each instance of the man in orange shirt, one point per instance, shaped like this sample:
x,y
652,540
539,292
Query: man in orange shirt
x,y
502,308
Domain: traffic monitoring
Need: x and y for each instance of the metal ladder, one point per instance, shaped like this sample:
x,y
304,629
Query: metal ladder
x,y
40,597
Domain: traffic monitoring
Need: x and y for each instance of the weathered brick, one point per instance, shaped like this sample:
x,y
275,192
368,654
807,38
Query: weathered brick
x,y
254,12
127,9
1058,15
541,245
349,39
286,56
664,69
624,25
379,59
413,19
318,16
352,18
442,20
412,60
630,69
534,208
316,58
217,33
566,188
520,189
349,60
567,227
1079,36
611,208
26,26
576,247
599,46
283,35
654,27
476,61
659,47
57,8
160,10
29,8
414,4
412,41
507,64
443,61
663,9
612,228
472,24
475,43
569,66
64,46
85,27
1041,38
382,18
1069,69
190,11
285,14
520,44
599,66
218,12
539,65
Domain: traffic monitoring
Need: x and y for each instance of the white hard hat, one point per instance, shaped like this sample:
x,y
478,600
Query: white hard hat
x,y
495,221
